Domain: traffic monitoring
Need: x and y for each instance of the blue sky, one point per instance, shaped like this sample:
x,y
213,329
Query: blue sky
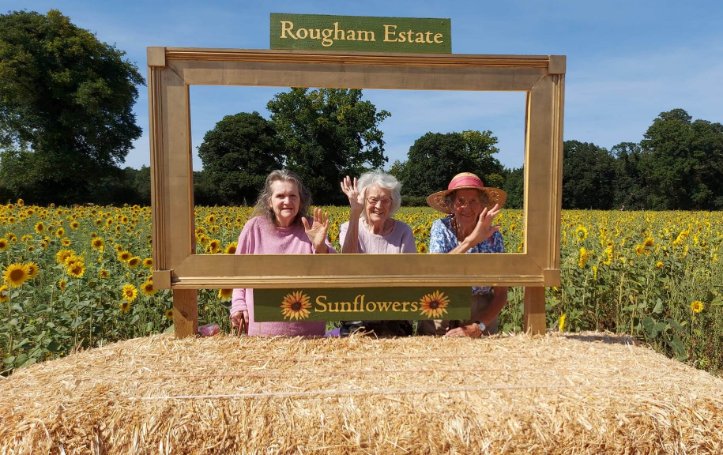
x,y
627,60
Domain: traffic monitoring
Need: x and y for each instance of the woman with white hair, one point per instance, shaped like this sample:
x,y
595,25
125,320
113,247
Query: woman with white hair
x,y
373,199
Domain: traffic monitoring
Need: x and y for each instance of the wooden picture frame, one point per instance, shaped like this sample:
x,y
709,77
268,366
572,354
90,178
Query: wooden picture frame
x,y
171,71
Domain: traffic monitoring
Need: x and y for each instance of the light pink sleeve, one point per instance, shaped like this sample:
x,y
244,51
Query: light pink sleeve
x,y
244,245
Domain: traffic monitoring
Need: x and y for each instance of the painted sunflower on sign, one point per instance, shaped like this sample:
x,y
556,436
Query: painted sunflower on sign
x,y
434,305
295,306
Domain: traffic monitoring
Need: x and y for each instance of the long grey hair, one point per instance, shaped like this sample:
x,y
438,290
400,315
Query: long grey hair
x,y
263,203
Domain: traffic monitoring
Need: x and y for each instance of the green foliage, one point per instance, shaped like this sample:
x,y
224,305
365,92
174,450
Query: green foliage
x,y
327,134
237,156
631,189
684,162
639,274
515,187
588,176
435,158
65,108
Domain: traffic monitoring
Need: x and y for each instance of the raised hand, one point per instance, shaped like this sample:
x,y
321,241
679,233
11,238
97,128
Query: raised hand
x,y
484,229
356,199
318,229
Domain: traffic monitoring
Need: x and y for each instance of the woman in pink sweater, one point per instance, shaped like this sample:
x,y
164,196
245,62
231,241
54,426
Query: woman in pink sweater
x,y
279,225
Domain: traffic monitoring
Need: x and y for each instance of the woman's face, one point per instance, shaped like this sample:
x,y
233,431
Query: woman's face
x,y
377,205
467,206
285,201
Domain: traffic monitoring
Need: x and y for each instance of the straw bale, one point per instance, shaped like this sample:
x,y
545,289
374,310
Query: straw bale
x,y
583,393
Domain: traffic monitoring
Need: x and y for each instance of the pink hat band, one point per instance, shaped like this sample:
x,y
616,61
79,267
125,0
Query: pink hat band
x,y
465,180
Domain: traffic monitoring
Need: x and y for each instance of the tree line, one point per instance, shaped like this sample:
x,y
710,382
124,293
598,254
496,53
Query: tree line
x,y
66,126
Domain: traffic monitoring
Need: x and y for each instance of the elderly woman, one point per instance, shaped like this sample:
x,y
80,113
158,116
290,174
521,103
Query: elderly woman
x,y
279,225
470,207
373,200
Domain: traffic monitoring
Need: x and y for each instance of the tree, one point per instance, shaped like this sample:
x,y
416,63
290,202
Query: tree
x,y
66,102
514,186
435,158
631,187
237,155
684,162
327,134
588,177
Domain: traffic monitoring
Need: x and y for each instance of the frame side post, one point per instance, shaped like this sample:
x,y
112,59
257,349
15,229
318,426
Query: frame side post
x,y
185,312
534,316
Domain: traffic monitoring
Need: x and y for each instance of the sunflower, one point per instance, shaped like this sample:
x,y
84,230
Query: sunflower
x,y
561,322
39,227
33,269
103,274
147,288
169,313
580,233
16,274
583,257
648,242
295,306
659,265
434,305
130,293
230,248
3,244
76,268
62,255
97,244
124,307
74,225
65,241
135,261
62,284
696,306
60,232
225,294
124,256
214,246
4,293
422,248
148,262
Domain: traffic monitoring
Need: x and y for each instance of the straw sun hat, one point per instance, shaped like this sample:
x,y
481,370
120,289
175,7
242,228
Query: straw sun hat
x,y
438,200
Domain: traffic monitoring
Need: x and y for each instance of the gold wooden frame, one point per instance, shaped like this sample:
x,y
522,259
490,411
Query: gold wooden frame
x,y
171,71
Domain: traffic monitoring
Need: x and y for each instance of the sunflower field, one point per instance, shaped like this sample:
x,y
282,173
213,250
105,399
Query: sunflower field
x,y
75,278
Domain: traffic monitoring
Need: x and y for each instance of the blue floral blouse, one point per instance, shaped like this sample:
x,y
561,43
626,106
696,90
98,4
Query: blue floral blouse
x,y
442,239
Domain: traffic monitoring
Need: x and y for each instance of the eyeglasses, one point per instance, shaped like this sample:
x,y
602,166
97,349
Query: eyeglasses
x,y
375,200
462,202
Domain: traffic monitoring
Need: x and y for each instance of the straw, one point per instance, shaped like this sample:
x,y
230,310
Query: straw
x,y
582,393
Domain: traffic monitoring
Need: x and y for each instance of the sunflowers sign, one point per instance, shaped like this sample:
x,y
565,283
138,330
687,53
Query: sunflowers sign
x,y
361,304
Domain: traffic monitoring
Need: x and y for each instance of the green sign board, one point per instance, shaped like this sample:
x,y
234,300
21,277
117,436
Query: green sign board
x,y
356,304
360,33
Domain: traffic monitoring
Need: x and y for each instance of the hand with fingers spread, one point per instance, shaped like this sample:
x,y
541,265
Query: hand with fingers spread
x,y
317,230
356,198
484,229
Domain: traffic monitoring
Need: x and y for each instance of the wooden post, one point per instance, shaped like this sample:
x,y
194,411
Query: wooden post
x,y
185,312
534,317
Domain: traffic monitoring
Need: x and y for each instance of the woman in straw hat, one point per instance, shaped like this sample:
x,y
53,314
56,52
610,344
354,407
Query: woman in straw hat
x,y
279,225
470,207
373,200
